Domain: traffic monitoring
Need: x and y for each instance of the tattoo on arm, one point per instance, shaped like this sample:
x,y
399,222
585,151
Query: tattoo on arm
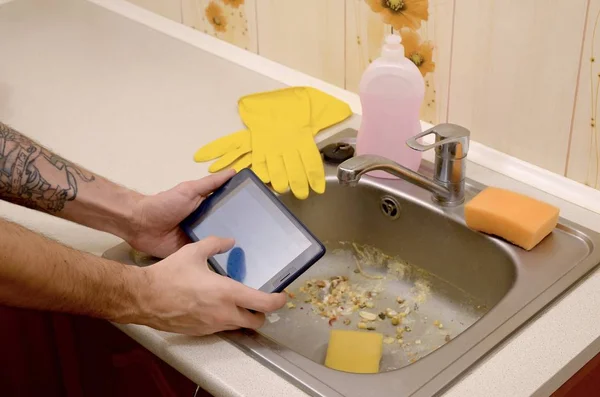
x,y
34,177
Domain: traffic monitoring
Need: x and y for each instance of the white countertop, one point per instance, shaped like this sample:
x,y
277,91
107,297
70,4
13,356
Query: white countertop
x,y
133,104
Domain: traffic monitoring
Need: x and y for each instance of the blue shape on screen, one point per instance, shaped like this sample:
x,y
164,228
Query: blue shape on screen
x,y
236,264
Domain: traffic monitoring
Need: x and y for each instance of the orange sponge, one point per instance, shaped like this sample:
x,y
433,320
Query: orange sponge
x,y
517,218
354,351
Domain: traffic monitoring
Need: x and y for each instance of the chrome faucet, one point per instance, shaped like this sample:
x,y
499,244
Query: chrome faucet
x,y
448,184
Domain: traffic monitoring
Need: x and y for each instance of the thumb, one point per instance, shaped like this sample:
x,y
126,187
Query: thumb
x,y
195,191
212,245
208,184
254,299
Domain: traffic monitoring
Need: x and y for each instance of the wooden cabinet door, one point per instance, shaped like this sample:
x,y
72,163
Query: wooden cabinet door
x,y
59,355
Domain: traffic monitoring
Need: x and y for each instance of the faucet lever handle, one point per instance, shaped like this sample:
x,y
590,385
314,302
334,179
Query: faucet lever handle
x,y
450,140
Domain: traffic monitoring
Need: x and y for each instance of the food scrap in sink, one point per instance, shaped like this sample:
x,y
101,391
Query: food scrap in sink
x,y
336,296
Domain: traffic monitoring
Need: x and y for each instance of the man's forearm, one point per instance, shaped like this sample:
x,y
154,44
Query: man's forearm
x,y
34,177
38,273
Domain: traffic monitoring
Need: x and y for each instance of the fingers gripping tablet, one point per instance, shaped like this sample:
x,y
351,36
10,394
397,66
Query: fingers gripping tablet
x,y
272,247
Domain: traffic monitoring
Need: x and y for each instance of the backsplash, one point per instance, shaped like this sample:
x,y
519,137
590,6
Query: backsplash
x,y
521,75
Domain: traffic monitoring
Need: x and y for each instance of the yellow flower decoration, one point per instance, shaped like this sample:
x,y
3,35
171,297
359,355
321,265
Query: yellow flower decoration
x,y
401,13
214,14
234,3
420,53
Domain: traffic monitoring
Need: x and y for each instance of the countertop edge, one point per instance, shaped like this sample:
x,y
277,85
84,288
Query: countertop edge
x,y
570,369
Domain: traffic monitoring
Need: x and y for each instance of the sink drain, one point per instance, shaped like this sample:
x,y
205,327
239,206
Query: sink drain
x,y
390,207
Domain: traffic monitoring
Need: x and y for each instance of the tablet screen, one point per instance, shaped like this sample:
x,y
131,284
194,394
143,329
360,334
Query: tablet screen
x,y
266,241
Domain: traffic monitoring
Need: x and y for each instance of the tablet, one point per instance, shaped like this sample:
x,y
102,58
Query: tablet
x,y
272,247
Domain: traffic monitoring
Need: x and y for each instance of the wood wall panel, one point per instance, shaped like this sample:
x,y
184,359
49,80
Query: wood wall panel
x,y
306,35
584,152
514,73
439,30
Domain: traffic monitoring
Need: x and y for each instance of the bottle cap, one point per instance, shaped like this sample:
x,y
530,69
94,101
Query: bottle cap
x,y
393,48
393,39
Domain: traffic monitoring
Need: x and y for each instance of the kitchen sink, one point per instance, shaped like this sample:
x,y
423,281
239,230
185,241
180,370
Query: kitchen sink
x,y
457,293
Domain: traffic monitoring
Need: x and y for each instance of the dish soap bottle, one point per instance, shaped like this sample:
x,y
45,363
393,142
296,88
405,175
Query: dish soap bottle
x,y
391,92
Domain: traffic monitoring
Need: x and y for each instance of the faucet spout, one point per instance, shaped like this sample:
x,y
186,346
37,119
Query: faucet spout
x,y
448,184
350,172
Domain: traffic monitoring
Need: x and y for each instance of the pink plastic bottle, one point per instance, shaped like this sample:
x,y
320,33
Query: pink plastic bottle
x,y
391,93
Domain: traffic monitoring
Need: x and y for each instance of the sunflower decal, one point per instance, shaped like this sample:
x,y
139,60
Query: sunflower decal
x,y
401,13
216,17
420,53
233,3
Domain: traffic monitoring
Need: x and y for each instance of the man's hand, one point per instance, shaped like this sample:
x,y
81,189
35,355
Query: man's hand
x,y
156,218
185,296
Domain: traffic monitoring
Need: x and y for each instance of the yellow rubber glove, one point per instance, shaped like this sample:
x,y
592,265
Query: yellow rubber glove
x,y
236,150
233,151
283,146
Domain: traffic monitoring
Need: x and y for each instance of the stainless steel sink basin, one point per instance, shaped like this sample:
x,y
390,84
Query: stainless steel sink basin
x,y
457,293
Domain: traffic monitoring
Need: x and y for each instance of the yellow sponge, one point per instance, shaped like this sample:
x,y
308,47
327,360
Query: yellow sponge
x,y
517,218
354,351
